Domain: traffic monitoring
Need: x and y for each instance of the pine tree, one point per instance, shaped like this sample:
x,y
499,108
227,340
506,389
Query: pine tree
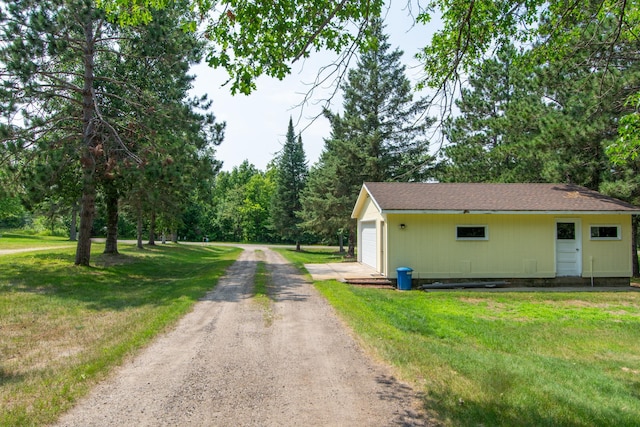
x,y
381,120
291,176
380,136
494,138
75,84
49,65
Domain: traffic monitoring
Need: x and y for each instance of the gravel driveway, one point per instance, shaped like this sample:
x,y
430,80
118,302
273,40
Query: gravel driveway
x,y
231,362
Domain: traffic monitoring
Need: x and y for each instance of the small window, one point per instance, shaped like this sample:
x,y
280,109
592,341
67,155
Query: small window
x,y
566,231
471,232
605,232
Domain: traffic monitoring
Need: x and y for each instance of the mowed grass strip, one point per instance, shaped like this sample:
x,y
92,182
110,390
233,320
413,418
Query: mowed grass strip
x,y
311,255
261,291
506,358
63,327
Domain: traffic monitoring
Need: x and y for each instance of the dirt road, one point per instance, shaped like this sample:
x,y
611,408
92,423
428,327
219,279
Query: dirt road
x,y
231,362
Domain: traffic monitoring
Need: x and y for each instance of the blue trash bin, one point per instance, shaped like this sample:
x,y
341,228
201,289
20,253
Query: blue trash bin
x,y
404,278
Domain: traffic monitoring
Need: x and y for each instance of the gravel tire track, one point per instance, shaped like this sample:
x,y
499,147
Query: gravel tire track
x,y
226,365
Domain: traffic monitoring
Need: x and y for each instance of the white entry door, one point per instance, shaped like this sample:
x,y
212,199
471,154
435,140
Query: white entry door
x,y
568,247
368,244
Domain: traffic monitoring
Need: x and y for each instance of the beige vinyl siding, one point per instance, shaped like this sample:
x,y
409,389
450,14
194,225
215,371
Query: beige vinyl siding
x,y
369,214
518,246
369,211
611,258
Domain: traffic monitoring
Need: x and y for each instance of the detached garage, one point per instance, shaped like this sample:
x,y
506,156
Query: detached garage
x,y
522,232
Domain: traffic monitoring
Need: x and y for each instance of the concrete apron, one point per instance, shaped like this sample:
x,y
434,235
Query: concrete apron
x,y
342,271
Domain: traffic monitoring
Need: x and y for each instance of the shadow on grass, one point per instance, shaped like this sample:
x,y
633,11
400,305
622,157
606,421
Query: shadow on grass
x,y
7,378
156,276
395,391
498,411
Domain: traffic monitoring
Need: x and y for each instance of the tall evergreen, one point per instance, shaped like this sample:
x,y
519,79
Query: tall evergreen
x,y
380,136
381,120
291,176
113,98
48,56
546,123
495,136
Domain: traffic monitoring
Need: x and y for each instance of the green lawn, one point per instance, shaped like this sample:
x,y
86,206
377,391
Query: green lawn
x,y
12,240
479,358
63,327
506,358
311,255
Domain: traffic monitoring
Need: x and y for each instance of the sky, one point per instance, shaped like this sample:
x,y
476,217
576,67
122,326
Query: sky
x,y
257,124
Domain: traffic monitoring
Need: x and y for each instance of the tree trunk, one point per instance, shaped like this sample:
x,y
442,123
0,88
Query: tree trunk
x,y
152,229
73,230
341,241
87,212
111,194
634,245
352,240
139,230
87,160
174,236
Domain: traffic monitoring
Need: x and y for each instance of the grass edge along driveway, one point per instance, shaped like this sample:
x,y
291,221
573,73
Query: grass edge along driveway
x,y
64,327
504,359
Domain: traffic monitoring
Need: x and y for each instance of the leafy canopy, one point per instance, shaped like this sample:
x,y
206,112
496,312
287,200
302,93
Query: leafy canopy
x,y
254,38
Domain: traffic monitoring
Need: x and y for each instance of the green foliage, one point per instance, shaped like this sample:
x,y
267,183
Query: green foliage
x,y
241,201
131,12
626,148
250,39
495,138
290,179
254,211
328,198
549,123
379,137
472,30
174,139
113,113
11,212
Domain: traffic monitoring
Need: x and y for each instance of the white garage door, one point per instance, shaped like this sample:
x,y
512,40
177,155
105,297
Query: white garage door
x,y
368,244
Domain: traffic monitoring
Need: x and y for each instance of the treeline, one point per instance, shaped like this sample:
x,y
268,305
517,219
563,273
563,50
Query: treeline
x,y
171,185
96,124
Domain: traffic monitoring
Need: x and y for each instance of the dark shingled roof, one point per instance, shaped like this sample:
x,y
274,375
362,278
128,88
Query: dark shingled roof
x,y
391,196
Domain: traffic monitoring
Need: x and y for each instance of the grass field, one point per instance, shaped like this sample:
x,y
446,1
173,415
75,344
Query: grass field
x,y
505,358
62,327
311,255
11,240
479,358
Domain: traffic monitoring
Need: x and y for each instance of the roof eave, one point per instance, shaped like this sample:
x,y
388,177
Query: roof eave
x,y
503,212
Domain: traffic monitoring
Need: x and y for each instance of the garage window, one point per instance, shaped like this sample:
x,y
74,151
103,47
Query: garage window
x,y
472,232
605,232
